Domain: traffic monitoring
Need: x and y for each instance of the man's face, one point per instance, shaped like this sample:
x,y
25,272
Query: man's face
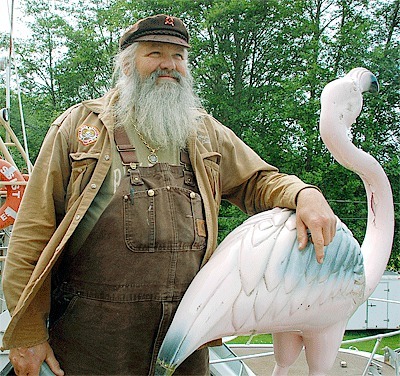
x,y
151,56
156,92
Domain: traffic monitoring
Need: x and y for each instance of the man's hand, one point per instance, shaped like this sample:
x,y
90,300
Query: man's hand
x,y
27,361
314,213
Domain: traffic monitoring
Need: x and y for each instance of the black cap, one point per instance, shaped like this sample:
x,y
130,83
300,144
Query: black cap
x,y
159,28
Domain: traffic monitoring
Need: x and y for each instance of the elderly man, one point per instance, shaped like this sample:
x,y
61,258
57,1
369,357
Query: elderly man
x,y
121,212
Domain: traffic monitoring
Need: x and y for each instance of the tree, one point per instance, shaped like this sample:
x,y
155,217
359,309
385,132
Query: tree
x,y
260,67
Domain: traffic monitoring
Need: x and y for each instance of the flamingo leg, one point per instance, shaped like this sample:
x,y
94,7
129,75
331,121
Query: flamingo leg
x,y
287,348
321,348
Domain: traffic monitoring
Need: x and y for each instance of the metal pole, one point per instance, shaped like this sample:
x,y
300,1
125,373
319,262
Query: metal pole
x,y
378,341
8,69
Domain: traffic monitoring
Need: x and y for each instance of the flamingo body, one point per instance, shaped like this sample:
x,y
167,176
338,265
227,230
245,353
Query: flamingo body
x,y
258,281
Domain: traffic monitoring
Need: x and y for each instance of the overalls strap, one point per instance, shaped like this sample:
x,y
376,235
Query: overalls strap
x,y
124,147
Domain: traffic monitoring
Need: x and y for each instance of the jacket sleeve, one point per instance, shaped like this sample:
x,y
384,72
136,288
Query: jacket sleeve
x,y
249,182
41,208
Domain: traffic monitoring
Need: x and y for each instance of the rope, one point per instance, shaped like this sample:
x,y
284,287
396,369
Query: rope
x,y
28,164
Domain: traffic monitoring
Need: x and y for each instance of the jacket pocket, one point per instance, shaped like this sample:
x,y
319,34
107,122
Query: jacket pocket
x,y
82,167
211,163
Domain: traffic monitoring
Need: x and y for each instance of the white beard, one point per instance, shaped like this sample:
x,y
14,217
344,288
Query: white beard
x,y
163,112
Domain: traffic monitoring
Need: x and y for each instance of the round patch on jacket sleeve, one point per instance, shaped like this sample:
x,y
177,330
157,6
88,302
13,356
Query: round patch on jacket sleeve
x,y
87,134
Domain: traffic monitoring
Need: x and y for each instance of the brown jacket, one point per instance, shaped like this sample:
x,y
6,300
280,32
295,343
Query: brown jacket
x,y
67,176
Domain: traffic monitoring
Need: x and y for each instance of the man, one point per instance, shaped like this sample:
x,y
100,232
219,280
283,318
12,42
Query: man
x,y
121,212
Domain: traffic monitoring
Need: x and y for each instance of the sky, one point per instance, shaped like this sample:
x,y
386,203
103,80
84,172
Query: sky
x,y
4,23
5,8
19,29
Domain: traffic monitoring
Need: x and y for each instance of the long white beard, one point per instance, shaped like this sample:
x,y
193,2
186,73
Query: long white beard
x,y
163,112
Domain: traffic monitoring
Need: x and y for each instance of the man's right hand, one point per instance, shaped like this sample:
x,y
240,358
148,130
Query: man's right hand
x,y
27,361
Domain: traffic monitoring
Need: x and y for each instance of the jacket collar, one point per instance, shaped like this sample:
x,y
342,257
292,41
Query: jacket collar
x,y
99,105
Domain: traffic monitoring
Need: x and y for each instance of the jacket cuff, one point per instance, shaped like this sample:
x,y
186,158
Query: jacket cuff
x,y
308,186
30,331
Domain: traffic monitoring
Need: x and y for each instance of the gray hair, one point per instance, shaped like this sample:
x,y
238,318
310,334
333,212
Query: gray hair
x,y
128,54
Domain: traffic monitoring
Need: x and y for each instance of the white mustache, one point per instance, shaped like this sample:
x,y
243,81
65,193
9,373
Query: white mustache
x,y
164,72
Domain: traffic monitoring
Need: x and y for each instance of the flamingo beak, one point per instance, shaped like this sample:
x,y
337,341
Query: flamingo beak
x,y
374,88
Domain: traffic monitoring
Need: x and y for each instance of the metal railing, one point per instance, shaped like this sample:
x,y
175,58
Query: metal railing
x,y
391,357
378,338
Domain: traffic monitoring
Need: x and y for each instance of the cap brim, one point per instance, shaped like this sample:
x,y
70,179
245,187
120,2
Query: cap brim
x,y
163,39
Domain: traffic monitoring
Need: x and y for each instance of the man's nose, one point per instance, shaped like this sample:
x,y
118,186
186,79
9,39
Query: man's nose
x,y
168,63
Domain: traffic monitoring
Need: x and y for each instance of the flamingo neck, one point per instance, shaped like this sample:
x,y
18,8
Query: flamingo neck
x,y
377,244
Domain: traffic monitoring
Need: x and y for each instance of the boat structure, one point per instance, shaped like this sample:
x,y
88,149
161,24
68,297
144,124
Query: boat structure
x,y
15,168
381,312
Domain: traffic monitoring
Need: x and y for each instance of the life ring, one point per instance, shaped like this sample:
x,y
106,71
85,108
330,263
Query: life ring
x,y
8,212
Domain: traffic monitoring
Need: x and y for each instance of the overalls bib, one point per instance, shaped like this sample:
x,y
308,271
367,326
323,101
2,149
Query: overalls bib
x,y
115,298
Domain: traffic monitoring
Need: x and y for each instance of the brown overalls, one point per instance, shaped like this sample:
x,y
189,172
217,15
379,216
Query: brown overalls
x,y
116,297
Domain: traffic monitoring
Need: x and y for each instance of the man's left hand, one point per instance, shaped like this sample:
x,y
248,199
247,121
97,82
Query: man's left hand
x,y
314,213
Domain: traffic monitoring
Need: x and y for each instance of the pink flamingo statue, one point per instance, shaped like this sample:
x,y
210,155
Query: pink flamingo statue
x,y
258,281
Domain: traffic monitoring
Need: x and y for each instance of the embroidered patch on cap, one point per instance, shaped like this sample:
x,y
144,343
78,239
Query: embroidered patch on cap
x,y
87,134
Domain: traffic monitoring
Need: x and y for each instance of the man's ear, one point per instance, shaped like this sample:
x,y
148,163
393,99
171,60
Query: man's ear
x,y
127,67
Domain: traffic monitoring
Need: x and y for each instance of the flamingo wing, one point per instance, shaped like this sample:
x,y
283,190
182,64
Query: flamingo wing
x,y
280,283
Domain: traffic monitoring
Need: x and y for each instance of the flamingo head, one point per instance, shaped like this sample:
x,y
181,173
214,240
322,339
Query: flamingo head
x,y
342,99
364,80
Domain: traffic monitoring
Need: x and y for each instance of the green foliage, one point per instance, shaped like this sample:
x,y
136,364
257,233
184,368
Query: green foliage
x,y
259,66
229,218
392,342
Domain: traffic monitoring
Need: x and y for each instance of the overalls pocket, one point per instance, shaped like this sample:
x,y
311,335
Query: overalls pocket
x,y
168,218
61,304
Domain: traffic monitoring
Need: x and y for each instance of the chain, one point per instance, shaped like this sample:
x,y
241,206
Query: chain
x,y
152,157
